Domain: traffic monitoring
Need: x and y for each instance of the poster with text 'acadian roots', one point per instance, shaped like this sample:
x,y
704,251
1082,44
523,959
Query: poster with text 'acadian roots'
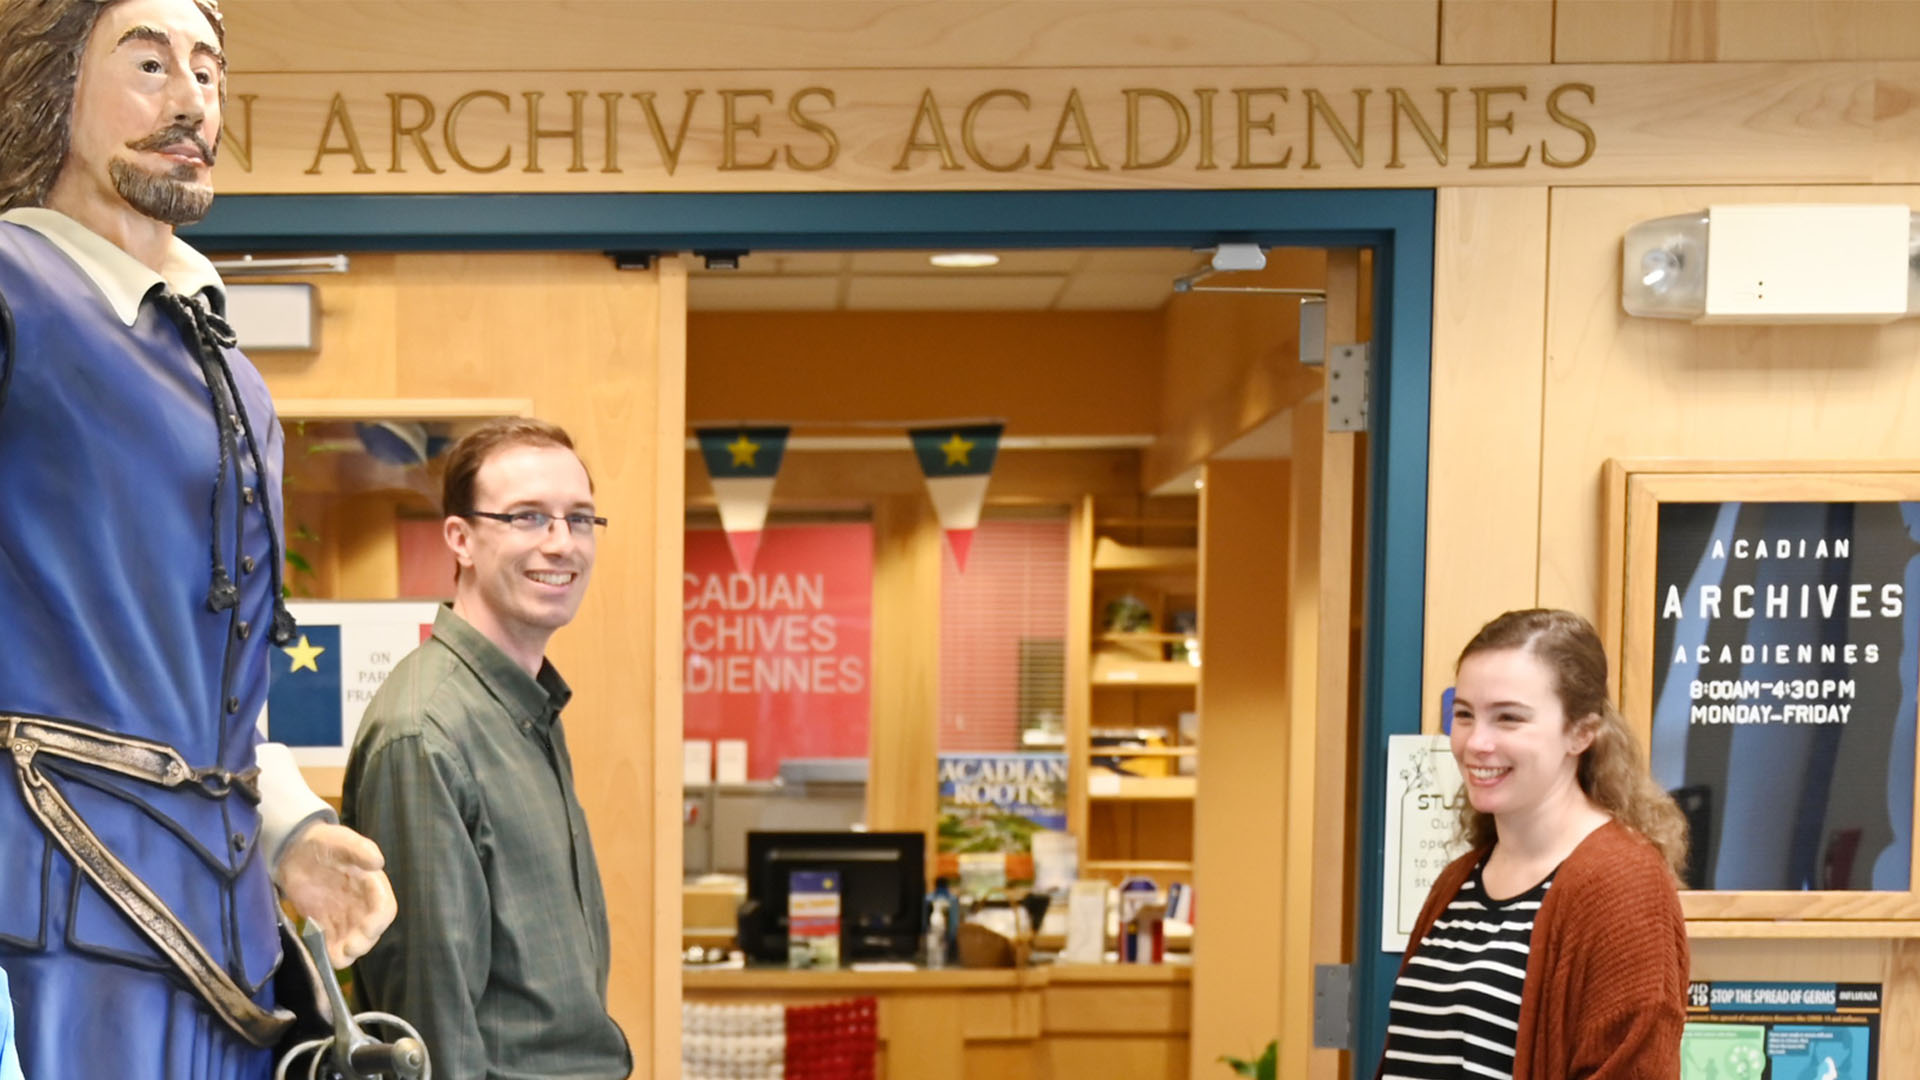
x,y
1784,657
1781,1031
994,803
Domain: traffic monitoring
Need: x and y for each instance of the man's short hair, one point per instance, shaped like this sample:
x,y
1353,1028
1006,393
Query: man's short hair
x,y
41,45
478,446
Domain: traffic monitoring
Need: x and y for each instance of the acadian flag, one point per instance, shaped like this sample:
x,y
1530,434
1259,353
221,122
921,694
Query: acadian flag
x,y
322,680
957,462
742,463
303,702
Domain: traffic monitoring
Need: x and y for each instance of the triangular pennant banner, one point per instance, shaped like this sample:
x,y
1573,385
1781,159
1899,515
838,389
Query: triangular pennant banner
x,y
957,462
742,463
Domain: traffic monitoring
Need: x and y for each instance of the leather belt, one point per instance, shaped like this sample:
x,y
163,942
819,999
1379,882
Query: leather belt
x,y
28,737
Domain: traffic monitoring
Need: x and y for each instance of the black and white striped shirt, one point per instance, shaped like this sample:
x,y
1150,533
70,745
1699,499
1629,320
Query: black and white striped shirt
x,y
1456,1008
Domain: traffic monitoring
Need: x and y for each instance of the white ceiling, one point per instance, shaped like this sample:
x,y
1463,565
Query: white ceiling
x,y
1104,279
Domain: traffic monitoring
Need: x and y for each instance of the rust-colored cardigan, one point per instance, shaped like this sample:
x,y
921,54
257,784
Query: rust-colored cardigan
x,y
1606,990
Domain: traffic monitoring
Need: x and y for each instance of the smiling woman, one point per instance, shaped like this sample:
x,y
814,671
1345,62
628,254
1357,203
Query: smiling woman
x,y
1573,843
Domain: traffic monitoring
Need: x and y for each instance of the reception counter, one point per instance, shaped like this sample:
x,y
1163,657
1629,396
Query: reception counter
x,y
1045,1022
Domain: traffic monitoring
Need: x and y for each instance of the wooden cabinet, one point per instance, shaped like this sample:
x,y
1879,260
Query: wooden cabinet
x,y
1132,725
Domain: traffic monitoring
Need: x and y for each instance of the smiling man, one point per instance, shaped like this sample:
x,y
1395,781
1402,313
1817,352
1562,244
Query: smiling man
x,y
461,773
142,826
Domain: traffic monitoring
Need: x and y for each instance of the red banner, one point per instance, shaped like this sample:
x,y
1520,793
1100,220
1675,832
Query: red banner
x,y
781,657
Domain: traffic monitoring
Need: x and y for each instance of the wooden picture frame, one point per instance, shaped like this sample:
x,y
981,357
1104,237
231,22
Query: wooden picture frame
x,y
1635,600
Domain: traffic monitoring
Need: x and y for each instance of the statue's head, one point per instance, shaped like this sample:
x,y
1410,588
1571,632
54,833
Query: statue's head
x,y
111,99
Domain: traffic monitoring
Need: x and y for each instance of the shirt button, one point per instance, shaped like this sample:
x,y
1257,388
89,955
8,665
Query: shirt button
x,y
246,495
233,705
246,564
243,629
239,841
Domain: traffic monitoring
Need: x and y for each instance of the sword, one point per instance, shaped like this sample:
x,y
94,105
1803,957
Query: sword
x,y
350,1053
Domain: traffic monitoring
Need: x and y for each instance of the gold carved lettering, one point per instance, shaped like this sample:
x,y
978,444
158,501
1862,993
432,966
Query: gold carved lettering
x,y
398,103
1248,125
928,114
1559,116
1482,121
1075,111
611,99
337,115
239,147
1402,104
1354,145
1182,129
972,146
669,150
450,130
1205,96
731,125
575,130
808,123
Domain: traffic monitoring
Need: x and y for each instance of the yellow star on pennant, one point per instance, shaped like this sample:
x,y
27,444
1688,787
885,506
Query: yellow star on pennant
x,y
743,450
956,449
304,655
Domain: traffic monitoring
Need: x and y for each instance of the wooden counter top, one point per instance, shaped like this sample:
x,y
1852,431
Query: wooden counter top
x,y
842,980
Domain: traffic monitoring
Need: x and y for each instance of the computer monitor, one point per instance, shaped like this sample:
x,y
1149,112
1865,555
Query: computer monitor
x,y
882,887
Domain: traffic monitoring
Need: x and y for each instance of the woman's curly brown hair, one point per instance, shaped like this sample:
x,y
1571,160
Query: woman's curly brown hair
x,y
41,42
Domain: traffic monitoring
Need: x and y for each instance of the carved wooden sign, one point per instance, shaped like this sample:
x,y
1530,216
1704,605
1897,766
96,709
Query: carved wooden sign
x,y
1086,128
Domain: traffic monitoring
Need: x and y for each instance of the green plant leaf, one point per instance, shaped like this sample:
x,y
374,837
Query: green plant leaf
x,y
1265,1067
299,562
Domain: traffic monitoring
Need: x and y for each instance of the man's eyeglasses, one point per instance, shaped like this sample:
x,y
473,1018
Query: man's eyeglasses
x,y
529,521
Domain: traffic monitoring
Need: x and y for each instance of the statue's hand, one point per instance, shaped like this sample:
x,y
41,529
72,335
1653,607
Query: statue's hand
x,y
335,876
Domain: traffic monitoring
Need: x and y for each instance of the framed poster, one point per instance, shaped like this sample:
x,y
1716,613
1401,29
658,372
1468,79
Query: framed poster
x,y
1768,659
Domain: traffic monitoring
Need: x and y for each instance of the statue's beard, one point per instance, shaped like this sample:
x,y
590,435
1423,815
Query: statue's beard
x,y
174,197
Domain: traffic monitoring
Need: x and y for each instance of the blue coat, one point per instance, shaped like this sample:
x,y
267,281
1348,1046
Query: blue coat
x,y
110,527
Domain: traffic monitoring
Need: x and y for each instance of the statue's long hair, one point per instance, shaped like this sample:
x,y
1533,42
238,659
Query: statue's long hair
x,y
41,43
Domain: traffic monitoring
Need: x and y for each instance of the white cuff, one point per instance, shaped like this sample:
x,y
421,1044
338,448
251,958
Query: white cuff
x,y
287,804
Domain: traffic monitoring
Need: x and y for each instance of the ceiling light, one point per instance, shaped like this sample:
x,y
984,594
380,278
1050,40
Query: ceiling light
x,y
963,260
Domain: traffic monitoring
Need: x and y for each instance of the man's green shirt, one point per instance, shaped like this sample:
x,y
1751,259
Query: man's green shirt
x,y
499,954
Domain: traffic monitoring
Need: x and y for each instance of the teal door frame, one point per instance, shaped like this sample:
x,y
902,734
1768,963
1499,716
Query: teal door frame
x,y
1397,225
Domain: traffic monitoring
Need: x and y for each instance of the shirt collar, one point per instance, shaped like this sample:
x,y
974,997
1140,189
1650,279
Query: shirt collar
x,y
533,701
123,280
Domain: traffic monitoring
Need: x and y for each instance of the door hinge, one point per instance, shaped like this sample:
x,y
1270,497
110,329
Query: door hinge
x,y
1333,1006
1348,377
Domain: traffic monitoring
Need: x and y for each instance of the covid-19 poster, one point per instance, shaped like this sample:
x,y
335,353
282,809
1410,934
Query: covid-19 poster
x,y
1784,654
1781,1031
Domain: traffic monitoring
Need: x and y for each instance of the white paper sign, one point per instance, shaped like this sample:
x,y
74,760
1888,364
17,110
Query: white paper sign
x,y
1423,799
730,761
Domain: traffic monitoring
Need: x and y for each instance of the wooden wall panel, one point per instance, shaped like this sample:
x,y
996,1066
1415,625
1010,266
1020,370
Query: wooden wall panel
x,y
902,788
1496,31
665,35
668,423
1483,455
1627,387
1634,31
1240,808
1033,369
599,352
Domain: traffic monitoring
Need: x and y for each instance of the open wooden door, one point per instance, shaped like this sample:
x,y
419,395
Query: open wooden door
x,y
1324,575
